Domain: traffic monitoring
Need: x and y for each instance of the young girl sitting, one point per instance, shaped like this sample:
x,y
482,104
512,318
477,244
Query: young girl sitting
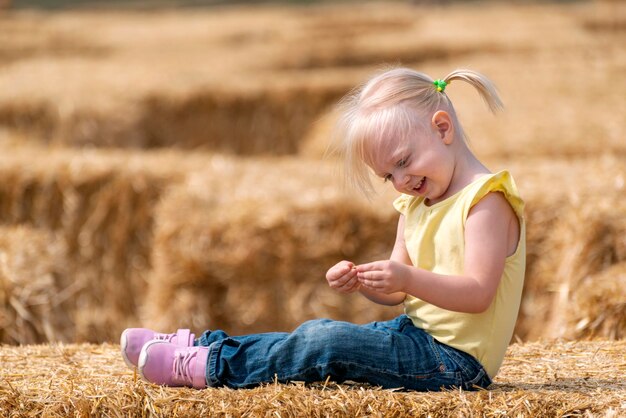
x,y
457,264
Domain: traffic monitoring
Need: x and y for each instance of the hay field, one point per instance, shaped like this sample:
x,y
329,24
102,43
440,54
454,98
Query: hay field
x,y
159,167
574,379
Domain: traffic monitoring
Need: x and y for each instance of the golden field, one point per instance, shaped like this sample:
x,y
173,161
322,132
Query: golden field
x,y
166,168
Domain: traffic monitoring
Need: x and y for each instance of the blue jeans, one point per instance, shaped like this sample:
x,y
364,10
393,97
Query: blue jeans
x,y
391,354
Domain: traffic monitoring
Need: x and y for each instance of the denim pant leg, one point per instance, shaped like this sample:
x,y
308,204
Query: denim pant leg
x,y
392,354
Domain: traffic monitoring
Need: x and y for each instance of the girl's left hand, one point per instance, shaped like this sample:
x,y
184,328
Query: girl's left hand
x,y
385,276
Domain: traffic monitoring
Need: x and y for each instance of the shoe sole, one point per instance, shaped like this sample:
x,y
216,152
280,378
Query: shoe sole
x,y
123,345
143,358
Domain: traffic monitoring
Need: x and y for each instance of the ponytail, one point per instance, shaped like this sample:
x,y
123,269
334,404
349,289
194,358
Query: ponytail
x,y
485,87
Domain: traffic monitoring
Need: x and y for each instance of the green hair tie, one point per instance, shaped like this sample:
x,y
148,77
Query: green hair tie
x,y
440,84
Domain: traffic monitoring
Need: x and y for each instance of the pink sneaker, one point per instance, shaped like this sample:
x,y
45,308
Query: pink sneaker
x,y
168,364
133,339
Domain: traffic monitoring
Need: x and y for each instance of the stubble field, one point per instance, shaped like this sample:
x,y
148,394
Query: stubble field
x,y
166,168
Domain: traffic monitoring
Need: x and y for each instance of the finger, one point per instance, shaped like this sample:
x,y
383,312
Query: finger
x,y
346,288
368,275
375,265
347,279
371,285
354,287
338,271
343,280
346,264
346,267
372,280
351,284
349,275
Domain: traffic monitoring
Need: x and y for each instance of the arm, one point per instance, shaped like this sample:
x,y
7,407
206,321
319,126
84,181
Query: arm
x,y
491,234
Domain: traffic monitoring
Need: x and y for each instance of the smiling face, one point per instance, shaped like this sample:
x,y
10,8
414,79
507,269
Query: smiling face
x,y
405,130
421,163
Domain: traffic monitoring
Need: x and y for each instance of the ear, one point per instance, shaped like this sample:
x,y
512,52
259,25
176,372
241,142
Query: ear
x,y
442,124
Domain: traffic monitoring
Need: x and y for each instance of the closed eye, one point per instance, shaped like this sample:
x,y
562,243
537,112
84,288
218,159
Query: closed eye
x,y
403,162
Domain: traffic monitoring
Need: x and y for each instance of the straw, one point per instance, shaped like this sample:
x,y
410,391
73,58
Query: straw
x,y
584,379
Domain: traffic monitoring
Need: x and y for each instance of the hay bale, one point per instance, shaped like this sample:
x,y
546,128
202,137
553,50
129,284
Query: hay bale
x,y
598,306
575,228
100,207
536,380
245,247
582,241
315,143
249,122
262,121
35,290
591,246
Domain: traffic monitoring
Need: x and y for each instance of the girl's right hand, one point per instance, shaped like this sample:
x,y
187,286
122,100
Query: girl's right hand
x,y
342,277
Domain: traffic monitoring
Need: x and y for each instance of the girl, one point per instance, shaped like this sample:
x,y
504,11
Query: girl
x,y
457,264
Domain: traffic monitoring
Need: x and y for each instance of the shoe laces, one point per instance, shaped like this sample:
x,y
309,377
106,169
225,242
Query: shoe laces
x,y
181,368
164,337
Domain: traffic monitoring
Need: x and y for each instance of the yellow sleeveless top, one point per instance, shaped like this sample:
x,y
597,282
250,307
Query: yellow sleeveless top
x,y
435,241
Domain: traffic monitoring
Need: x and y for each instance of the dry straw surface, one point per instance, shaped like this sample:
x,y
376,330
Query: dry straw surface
x,y
558,379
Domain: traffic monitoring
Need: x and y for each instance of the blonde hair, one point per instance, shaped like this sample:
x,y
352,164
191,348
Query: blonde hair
x,y
394,104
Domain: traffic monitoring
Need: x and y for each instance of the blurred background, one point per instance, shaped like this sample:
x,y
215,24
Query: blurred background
x,y
163,163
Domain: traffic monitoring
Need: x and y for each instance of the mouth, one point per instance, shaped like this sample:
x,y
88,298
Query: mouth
x,y
419,187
